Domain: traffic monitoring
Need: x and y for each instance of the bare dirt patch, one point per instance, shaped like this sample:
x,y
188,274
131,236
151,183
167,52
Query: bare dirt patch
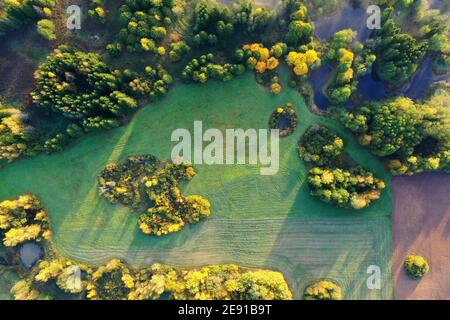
x,y
421,225
20,54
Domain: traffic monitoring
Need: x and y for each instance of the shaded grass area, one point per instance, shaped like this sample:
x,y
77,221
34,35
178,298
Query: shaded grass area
x,y
257,221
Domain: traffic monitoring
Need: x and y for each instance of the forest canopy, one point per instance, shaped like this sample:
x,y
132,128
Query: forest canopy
x,y
411,136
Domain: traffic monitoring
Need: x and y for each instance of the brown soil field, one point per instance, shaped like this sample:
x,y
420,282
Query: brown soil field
x,y
421,225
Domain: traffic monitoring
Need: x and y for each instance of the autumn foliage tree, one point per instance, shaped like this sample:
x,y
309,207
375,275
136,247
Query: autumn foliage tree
x,y
411,136
23,219
150,186
16,14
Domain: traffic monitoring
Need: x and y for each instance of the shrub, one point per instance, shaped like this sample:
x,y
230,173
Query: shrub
x,y
416,266
141,20
323,290
17,136
204,68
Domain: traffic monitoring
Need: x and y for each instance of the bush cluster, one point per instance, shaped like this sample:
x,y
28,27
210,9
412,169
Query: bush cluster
x,y
23,219
412,137
151,187
285,114
265,62
143,26
323,290
204,68
416,266
16,14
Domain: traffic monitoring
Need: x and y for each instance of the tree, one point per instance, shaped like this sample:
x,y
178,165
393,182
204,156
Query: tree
x,y
323,290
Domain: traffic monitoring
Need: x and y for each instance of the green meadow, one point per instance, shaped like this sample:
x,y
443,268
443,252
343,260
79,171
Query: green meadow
x,y
257,221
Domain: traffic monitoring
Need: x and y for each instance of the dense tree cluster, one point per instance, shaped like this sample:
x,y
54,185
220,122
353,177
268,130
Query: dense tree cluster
x,y
416,266
17,13
219,282
153,83
204,68
398,54
17,136
23,219
321,147
96,11
215,24
285,119
300,30
79,85
323,290
143,26
230,282
112,281
333,178
178,50
355,188
250,18
151,187
435,29
413,137
301,62
264,61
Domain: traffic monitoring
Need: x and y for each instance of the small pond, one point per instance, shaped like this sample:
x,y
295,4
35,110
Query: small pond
x,y
30,253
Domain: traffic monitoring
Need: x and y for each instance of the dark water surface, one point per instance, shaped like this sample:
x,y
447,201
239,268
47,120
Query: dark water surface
x,y
30,253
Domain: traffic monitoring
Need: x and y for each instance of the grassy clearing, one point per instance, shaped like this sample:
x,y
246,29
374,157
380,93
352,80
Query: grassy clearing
x,y
257,221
